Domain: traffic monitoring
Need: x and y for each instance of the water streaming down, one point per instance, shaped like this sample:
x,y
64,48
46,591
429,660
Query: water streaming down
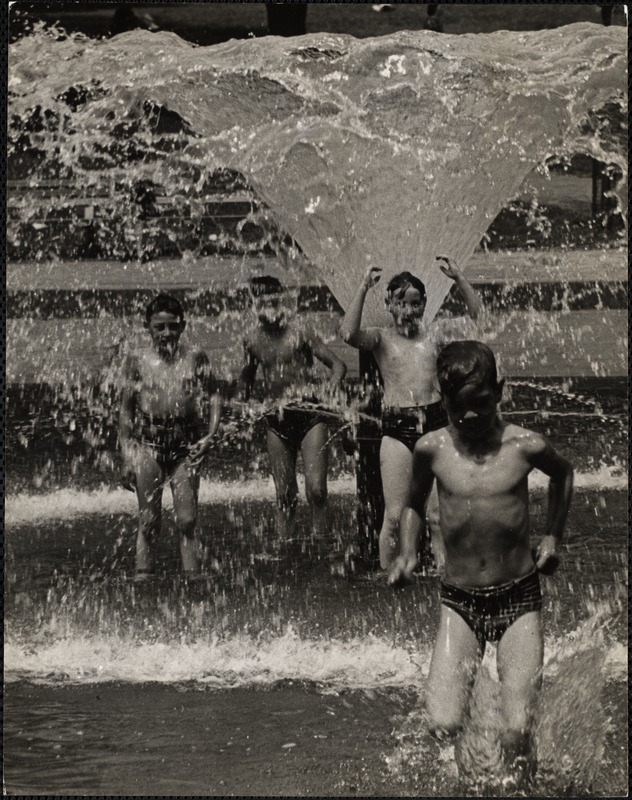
x,y
388,151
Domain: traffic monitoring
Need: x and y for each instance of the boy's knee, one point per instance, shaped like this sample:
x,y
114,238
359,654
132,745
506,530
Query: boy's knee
x,y
186,524
316,495
148,520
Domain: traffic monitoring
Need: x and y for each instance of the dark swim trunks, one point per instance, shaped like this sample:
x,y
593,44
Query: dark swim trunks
x,y
490,610
293,424
168,438
407,425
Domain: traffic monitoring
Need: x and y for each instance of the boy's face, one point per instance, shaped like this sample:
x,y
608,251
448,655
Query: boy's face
x,y
165,330
407,309
274,310
472,410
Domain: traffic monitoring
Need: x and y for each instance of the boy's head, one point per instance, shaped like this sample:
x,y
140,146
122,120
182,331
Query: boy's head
x,y
470,388
406,302
270,301
164,319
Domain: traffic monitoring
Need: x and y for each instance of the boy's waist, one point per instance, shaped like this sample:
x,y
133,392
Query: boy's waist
x,y
494,588
412,410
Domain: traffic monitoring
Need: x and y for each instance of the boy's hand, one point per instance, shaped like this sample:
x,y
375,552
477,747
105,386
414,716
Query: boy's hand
x,y
400,572
128,477
546,557
198,451
449,269
372,276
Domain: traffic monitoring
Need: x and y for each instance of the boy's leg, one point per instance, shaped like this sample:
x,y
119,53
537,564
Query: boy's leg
x,y
149,485
184,487
455,661
283,468
315,450
396,463
520,655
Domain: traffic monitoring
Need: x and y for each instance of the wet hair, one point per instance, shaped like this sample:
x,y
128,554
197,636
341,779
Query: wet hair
x,y
399,283
460,363
167,303
265,284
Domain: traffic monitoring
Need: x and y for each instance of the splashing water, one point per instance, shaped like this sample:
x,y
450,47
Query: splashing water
x,y
386,151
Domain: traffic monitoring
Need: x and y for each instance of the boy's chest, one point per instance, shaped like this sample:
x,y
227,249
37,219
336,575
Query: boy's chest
x,y
278,351
488,474
175,379
405,354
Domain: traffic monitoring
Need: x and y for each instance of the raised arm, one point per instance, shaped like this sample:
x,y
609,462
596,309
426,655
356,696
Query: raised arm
x,y
350,329
470,295
544,457
413,521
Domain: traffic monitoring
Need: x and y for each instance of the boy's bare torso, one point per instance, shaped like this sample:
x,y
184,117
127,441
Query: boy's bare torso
x,y
408,366
484,505
168,388
286,361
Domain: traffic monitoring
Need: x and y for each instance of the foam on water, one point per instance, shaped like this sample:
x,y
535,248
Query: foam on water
x,y
68,503
220,662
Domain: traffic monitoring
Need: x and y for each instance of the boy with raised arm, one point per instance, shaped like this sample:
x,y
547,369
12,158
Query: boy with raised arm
x,y
165,432
405,352
490,588
285,351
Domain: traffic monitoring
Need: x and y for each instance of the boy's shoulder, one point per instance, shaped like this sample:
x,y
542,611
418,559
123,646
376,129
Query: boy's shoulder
x,y
527,440
432,441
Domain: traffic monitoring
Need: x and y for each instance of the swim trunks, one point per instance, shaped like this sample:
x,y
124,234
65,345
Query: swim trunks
x,y
293,424
168,438
490,610
407,425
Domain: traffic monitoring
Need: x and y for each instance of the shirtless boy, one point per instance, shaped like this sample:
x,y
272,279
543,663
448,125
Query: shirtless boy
x,y
285,350
162,430
490,589
405,353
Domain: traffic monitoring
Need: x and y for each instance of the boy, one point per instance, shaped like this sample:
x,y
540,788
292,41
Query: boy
x,y
163,436
405,353
490,589
286,353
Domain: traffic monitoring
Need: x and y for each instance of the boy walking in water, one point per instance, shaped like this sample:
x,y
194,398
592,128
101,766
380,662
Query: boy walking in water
x,y
405,353
285,351
162,430
490,589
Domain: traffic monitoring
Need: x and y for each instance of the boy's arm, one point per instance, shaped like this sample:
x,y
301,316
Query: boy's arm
x,y
470,295
350,329
412,521
544,457
204,376
328,357
204,379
